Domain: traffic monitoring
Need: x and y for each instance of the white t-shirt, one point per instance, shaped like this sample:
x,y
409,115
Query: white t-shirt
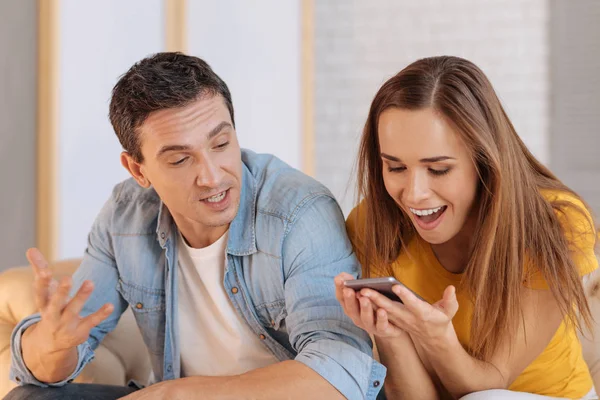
x,y
215,340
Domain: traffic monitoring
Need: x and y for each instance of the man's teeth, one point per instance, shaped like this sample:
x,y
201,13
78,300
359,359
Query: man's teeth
x,y
216,198
422,213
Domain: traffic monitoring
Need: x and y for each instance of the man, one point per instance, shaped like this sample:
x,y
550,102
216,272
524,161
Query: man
x,y
226,257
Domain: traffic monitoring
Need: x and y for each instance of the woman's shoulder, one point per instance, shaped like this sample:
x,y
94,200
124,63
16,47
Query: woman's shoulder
x,y
578,227
561,196
356,221
356,229
572,213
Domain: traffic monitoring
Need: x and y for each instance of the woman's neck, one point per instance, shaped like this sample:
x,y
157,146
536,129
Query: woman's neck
x,y
454,254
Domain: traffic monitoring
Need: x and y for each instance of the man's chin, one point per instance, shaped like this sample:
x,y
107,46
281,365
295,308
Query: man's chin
x,y
222,218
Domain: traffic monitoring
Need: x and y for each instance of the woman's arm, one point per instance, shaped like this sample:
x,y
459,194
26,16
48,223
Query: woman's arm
x,y
407,377
432,331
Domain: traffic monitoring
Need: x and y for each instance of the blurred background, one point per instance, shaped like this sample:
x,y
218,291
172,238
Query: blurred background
x,y
302,74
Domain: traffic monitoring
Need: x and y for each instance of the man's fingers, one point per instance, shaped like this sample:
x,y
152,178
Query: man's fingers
x,y
42,277
73,308
42,286
96,318
59,299
36,260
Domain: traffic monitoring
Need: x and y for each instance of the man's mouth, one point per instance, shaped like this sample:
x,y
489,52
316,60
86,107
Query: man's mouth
x,y
217,197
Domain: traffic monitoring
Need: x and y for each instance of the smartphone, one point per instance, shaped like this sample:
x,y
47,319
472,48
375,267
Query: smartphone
x,y
381,285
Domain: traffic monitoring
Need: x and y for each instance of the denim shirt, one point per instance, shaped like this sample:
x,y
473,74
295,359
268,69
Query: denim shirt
x,y
286,244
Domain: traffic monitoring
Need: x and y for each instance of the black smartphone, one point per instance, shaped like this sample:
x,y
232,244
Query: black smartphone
x,y
381,285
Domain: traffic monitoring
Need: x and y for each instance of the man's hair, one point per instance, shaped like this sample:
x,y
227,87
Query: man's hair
x,y
161,81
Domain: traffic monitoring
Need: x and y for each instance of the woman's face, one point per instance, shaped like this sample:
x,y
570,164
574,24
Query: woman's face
x,y
428,171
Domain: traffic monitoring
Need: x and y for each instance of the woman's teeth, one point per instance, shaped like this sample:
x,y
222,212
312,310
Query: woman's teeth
x,y
217,198
423,213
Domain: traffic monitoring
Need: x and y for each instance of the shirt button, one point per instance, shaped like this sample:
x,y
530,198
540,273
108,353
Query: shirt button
x,y
262,337
18,379
376,384
162,235
139,306
169,368
234,290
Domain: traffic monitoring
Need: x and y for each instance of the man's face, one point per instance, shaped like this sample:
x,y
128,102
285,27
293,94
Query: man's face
x,y
193,160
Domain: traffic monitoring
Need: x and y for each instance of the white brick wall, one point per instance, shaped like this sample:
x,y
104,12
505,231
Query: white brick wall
x,y
359,44
575,96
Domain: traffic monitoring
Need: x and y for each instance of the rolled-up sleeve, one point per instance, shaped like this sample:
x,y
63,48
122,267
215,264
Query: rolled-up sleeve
x,y
19,371
98,265
315,250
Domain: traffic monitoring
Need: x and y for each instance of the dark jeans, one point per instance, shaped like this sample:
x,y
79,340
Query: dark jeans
x,y
72,391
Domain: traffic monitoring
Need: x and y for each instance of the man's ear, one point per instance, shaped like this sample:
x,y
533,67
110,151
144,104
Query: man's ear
x,y
135,169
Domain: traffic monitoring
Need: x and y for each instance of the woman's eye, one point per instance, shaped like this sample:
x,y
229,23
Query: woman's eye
x,y
396,169
439,172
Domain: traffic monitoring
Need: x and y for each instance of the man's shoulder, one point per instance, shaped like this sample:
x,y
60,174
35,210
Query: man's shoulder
x,y
282,190
134,209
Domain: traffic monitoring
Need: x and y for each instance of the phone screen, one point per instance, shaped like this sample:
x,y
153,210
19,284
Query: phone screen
x,y
381,285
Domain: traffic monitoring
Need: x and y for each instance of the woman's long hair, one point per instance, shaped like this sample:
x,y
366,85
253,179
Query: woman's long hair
x,y
516,226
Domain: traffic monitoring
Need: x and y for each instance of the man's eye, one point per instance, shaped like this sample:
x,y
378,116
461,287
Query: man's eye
x,y
179,162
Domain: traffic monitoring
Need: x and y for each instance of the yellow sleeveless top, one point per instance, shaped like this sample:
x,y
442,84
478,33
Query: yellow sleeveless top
x,y
560,370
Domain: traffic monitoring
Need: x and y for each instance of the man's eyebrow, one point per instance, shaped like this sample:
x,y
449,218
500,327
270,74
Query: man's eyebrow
x,y
174,147
178,147
216,130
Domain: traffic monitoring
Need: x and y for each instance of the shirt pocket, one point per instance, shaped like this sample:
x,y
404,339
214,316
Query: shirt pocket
x,y
272,315
148,307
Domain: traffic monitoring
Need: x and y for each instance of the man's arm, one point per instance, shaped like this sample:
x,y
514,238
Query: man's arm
x,y
334,357
315,251
49,347
285,380
53,346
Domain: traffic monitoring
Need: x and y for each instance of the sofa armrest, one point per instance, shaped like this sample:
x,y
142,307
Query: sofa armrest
x,y
121,356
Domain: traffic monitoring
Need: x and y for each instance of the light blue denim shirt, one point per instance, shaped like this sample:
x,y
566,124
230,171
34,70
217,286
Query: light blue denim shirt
x,y
286,244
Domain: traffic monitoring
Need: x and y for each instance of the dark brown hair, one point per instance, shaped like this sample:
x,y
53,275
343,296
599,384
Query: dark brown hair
x,y
161,81
516,225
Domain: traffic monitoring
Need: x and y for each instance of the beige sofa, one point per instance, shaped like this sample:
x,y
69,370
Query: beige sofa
x,y
122,355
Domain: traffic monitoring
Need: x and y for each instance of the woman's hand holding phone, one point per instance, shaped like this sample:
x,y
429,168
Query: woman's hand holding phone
x,y
363,312
379,315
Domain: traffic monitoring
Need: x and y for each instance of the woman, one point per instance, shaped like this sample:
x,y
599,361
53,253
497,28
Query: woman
x,y
457,209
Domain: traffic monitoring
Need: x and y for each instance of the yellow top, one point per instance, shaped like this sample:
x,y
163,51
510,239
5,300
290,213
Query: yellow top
x,y
560,370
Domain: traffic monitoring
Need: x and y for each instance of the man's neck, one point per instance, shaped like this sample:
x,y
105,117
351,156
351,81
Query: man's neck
x,y
199,236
